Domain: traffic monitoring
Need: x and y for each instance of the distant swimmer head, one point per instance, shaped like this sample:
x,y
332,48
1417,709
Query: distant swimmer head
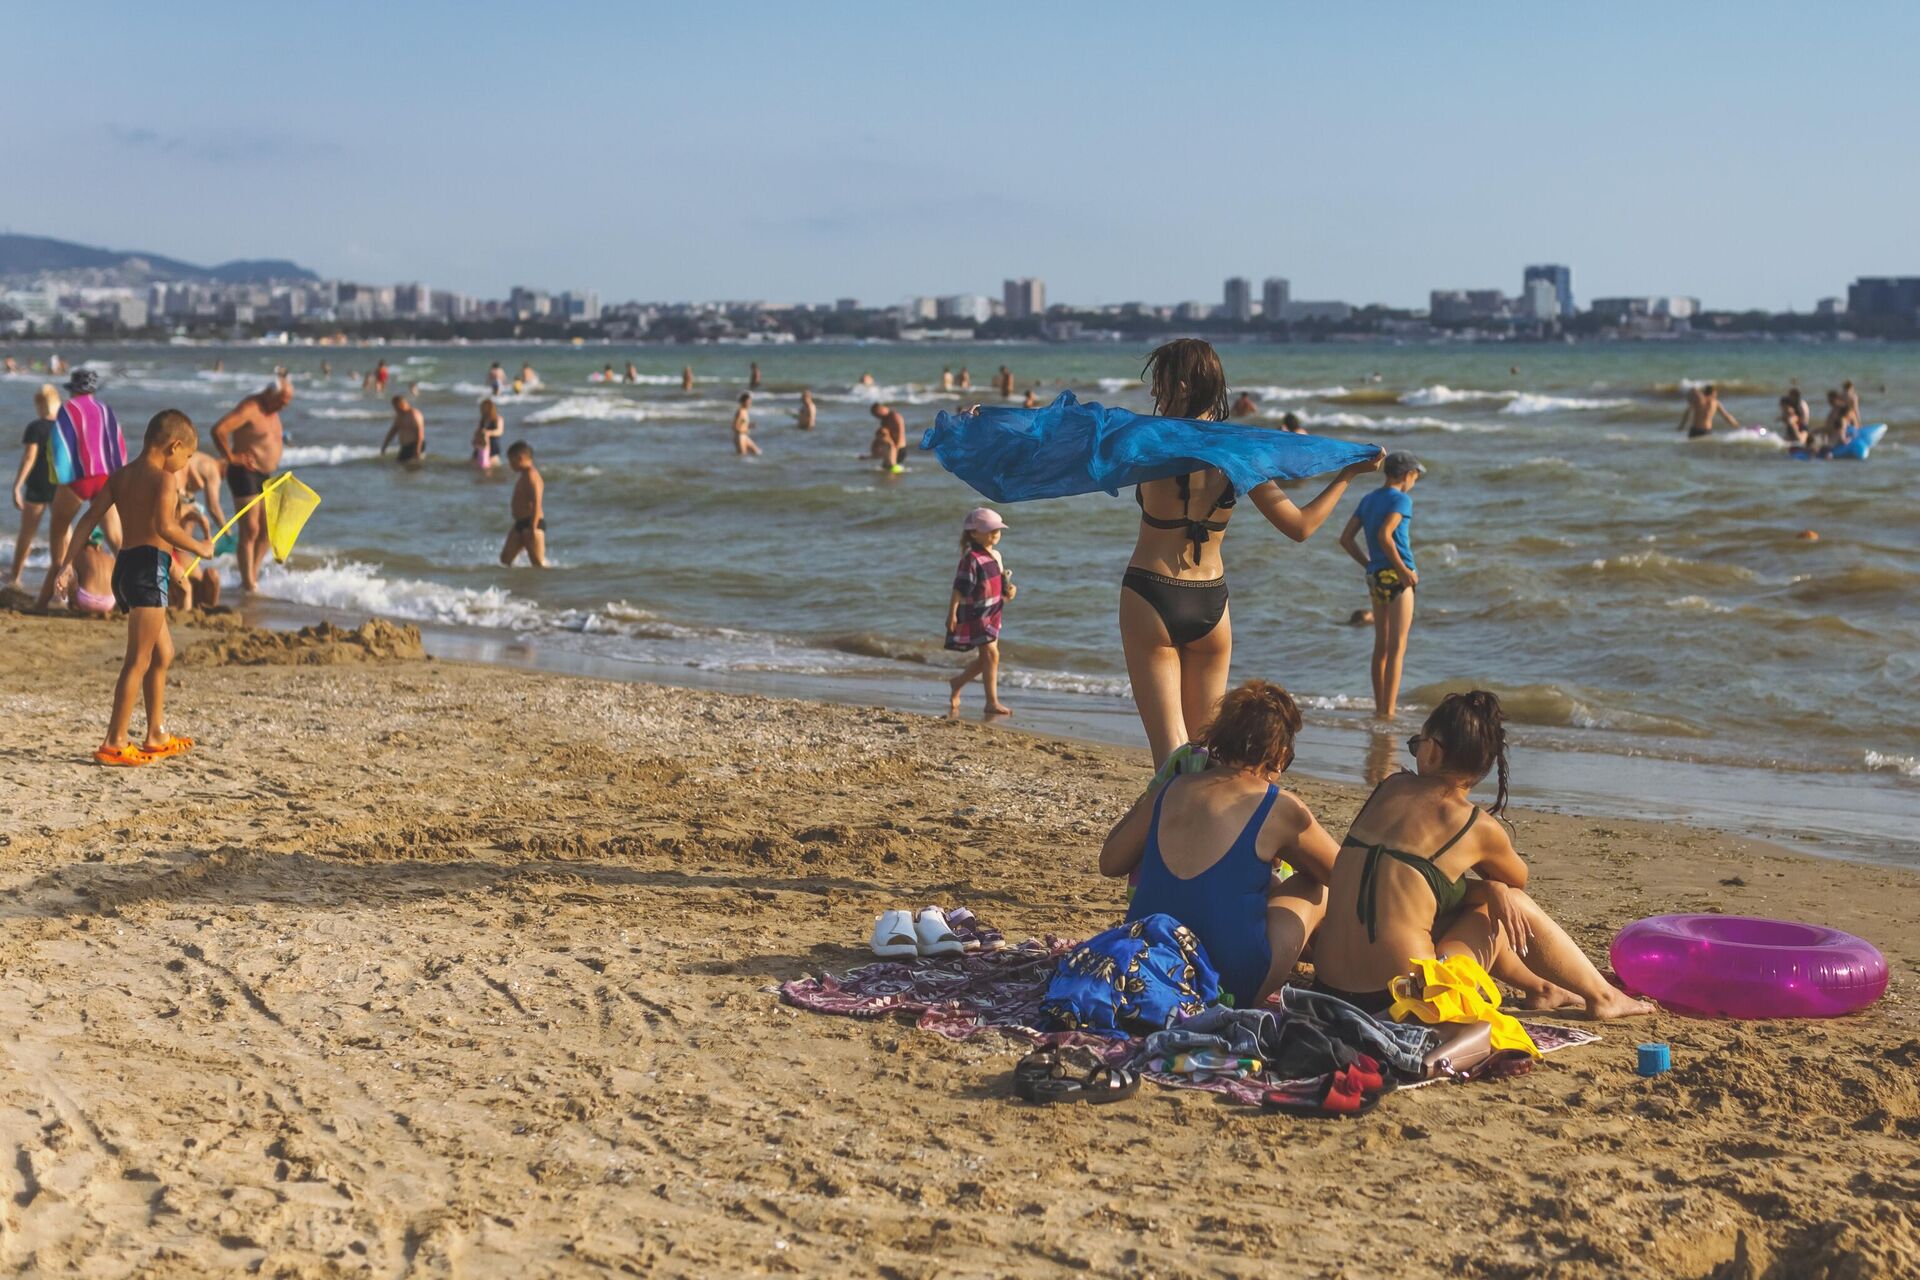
x,y
1465,737
1400,464
1291,422
84,382
1187,380
1253,729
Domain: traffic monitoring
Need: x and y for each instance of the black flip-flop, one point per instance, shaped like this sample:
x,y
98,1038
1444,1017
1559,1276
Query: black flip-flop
x,y
1043,1065
1101,1085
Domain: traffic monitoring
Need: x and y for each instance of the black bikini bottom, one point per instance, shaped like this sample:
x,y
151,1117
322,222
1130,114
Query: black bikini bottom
x,y
1373,1002
1189,609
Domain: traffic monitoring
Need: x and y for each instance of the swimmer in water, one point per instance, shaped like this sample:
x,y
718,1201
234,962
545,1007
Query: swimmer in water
x,y
890,437
686,377
743,444
1244,406
804,417
409,428
1703,405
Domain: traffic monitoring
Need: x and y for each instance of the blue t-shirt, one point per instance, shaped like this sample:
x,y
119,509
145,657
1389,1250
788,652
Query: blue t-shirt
x,y
1373,512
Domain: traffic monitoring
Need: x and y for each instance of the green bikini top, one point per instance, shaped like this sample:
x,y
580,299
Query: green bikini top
x,y
1447,894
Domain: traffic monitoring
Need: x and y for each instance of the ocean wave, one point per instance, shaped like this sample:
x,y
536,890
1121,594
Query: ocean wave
x,y
903,394
1067,682
1659,568
359,415
1111,385
1527,403
1295,393
1361,422
608,409
1856,583
356,587
1367,395
1551,706
1440,393
1885,762
325,455
1698,604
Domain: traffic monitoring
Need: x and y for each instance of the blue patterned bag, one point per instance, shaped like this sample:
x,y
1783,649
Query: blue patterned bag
x,y
1142,976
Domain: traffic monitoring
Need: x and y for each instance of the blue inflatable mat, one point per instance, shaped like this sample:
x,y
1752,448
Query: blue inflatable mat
x,y
1854,450
1017,455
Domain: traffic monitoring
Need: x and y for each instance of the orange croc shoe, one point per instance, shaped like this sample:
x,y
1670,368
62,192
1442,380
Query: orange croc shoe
x,y
169,746
127,755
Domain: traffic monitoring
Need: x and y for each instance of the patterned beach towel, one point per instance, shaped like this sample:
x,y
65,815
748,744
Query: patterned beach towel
x,y
999,993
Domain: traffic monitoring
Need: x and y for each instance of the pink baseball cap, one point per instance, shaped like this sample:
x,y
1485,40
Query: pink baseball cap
x,y
983,520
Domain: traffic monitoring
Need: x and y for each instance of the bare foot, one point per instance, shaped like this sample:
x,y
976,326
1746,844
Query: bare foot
x,y
1618,1004
1549,997
953,703
998,709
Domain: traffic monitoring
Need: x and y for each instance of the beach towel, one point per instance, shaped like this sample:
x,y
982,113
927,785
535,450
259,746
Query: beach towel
x,y
1017,455
85,442
999,993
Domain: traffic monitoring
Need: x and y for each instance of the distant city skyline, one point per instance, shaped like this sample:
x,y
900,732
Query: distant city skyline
x,y
683,153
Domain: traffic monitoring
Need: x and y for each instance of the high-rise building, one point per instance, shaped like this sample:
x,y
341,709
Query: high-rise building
x,y
412,299
1561,278
1024,298
1884,296
846,305
976,307
1541,301
1275,294
1238,297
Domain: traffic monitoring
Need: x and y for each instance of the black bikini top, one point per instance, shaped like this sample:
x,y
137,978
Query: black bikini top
x,y
1197,531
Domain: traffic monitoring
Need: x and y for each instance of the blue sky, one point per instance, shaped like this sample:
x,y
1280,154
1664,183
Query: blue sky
x,y
1753,154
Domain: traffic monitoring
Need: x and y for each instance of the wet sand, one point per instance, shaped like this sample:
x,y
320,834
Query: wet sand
x,y
417,967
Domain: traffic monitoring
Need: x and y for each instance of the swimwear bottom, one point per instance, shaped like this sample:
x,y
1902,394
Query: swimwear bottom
x,y
1189,609
87,602
409,453
38,488
1383,585
141,577
527,525
1374,1002
244,482
87,488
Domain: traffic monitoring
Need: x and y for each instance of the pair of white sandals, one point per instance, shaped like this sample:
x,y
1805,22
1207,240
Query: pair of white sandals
x,y
901,933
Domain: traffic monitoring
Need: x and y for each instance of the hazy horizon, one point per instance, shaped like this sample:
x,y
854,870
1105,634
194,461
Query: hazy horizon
x,y
1121,153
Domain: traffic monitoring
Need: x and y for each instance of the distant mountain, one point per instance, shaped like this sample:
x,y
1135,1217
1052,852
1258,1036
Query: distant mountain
x,y
26,256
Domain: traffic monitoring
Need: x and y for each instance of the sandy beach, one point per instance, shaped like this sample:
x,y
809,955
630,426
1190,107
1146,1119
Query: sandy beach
x,y
425,968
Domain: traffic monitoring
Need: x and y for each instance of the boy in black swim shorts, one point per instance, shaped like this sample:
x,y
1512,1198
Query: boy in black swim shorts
x,y
1384,516
147,494
529,532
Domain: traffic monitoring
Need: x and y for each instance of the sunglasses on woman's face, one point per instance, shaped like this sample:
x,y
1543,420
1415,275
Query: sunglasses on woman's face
x,y
1413,743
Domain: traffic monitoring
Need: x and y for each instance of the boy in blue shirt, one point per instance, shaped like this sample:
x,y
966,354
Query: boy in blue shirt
x,y
1383,515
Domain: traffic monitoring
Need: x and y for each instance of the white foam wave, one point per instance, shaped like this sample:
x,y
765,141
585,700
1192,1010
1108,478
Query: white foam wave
x,y
606,409
1361,422
358,415
1111,385
325,455
1068,682
642,379
1334,702
885,393
1295,393
1527,403
355,587
1885,762
1440,393
1698,604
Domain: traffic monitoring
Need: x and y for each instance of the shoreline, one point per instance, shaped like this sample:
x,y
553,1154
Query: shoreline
x,y
1737,800
467,969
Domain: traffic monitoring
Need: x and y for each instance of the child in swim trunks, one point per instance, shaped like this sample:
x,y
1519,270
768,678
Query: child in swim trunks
x,y
146,492
1384,515
529,532
981,586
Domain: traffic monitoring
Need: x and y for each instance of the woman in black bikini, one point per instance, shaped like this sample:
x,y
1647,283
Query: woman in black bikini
x,y
1387,906
1174,624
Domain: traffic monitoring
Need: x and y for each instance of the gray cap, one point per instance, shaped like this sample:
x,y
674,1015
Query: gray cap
x,y
1400,463
84,382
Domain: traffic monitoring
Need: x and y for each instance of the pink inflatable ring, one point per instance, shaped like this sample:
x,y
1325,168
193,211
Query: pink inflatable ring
x,y
1748,967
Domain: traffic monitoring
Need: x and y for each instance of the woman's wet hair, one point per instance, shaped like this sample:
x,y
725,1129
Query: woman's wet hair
x,y
1254,727
1187,380
1470,730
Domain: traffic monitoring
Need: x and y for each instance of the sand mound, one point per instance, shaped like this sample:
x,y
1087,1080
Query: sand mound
x,y
323,644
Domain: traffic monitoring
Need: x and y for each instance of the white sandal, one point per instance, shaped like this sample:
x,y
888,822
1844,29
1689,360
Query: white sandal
x,y
937,937
893,935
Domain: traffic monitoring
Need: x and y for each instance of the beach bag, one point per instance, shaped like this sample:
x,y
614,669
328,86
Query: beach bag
x,y
1458,990
1141,976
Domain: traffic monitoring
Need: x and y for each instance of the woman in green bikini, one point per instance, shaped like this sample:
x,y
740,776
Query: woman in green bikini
x,y
1401,891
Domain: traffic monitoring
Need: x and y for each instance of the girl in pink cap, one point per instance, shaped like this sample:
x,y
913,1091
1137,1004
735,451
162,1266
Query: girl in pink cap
x,y
980,586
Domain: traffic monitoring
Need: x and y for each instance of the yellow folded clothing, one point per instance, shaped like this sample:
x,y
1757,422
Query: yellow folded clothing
x,y
1457,989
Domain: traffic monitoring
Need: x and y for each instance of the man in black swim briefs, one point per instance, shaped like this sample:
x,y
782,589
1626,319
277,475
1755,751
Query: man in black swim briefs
x,y
249,440
409,428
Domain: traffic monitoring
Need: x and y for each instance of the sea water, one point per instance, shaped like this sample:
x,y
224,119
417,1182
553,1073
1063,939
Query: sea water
x,y
1632,595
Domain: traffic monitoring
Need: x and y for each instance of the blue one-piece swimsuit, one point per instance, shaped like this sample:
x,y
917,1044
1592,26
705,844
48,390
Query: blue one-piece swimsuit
x,y
1225,905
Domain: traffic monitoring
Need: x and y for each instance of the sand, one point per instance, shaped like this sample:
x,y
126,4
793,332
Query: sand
x,y
421,968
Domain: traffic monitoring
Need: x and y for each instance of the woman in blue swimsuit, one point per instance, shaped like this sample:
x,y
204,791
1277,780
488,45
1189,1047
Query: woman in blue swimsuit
x,y
1208,844
1174,624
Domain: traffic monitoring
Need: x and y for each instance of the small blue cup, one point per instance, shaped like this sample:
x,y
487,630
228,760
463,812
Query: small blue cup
x,y
1655,1059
